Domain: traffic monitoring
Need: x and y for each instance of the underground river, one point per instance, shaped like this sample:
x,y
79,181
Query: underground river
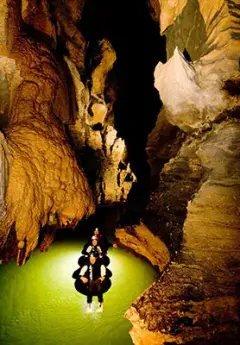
x,y
40,305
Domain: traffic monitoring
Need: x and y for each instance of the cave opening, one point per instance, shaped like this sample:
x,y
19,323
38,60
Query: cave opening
x,y
136,40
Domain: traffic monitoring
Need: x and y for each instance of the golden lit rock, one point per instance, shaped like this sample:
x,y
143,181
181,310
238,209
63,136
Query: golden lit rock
x,y
36,13
93,129
21,244
3,34
44,176
99,113
197,206
67,27
169,11
101,71
141,240
190,102
4,171
196,199
206,30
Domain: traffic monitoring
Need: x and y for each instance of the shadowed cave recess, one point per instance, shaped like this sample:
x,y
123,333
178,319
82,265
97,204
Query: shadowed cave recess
x,y
125,115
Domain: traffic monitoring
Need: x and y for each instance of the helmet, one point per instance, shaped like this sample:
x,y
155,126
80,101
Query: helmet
x,y
95,238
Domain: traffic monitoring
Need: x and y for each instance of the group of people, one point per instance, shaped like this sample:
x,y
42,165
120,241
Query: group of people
x,y
94,276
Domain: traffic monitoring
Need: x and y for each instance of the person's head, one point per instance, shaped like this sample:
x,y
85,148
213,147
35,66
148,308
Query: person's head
x,y
94,241
96,231
92,258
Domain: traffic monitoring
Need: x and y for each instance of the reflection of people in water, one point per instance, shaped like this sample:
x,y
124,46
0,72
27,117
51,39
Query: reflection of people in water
x,y
93,280
103,242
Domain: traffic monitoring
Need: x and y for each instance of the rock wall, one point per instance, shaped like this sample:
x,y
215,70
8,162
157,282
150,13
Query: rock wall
x,y
195,207
93,131
44,176
56,106
141,240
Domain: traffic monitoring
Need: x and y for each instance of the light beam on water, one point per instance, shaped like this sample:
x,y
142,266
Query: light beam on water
x,y
39,304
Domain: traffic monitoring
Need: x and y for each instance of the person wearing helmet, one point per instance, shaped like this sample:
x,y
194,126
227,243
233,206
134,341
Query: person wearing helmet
x,y
92,247
93,278
103,242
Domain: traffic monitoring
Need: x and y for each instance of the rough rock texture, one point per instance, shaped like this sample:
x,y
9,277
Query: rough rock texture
x,y
154,9
93,132
169,11
3,34
101,152
195,208
36,14
141,240
9,80
43,171
191,102
4,172
208,35
163,143
183,311
51,95
207,30
179,180
196,211
66,17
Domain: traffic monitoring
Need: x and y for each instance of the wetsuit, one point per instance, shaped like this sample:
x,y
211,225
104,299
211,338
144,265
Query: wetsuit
x,y
103,243
94,286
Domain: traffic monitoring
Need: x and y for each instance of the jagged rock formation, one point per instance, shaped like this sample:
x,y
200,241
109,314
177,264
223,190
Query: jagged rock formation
x,y
4,171
51,95
141,240
179,180
195,207
163,143
195,102
212,46
44,177
94,132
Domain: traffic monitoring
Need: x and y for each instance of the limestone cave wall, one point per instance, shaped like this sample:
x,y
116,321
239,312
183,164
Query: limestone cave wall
x,y
60,153
194,204
44,178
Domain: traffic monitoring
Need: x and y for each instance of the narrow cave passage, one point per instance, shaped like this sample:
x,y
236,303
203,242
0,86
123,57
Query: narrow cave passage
x,y
139,47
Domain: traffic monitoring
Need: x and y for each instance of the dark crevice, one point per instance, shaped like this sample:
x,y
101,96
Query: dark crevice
x,y
232,87
139,47
186,55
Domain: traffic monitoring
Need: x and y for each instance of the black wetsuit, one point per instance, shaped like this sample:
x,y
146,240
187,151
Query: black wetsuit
x,y
104,244
94,286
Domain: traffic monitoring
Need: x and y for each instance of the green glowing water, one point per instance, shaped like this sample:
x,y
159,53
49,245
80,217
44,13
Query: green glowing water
x,y
39,304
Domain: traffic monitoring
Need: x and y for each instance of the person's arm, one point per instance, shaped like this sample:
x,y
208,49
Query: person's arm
x,y
99,250
89,248
103,272
82,272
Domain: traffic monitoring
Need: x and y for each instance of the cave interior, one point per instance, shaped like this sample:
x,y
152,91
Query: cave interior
x,y
125,116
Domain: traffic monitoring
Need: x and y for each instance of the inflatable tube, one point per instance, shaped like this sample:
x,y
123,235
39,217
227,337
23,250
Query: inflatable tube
x,y
84,288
